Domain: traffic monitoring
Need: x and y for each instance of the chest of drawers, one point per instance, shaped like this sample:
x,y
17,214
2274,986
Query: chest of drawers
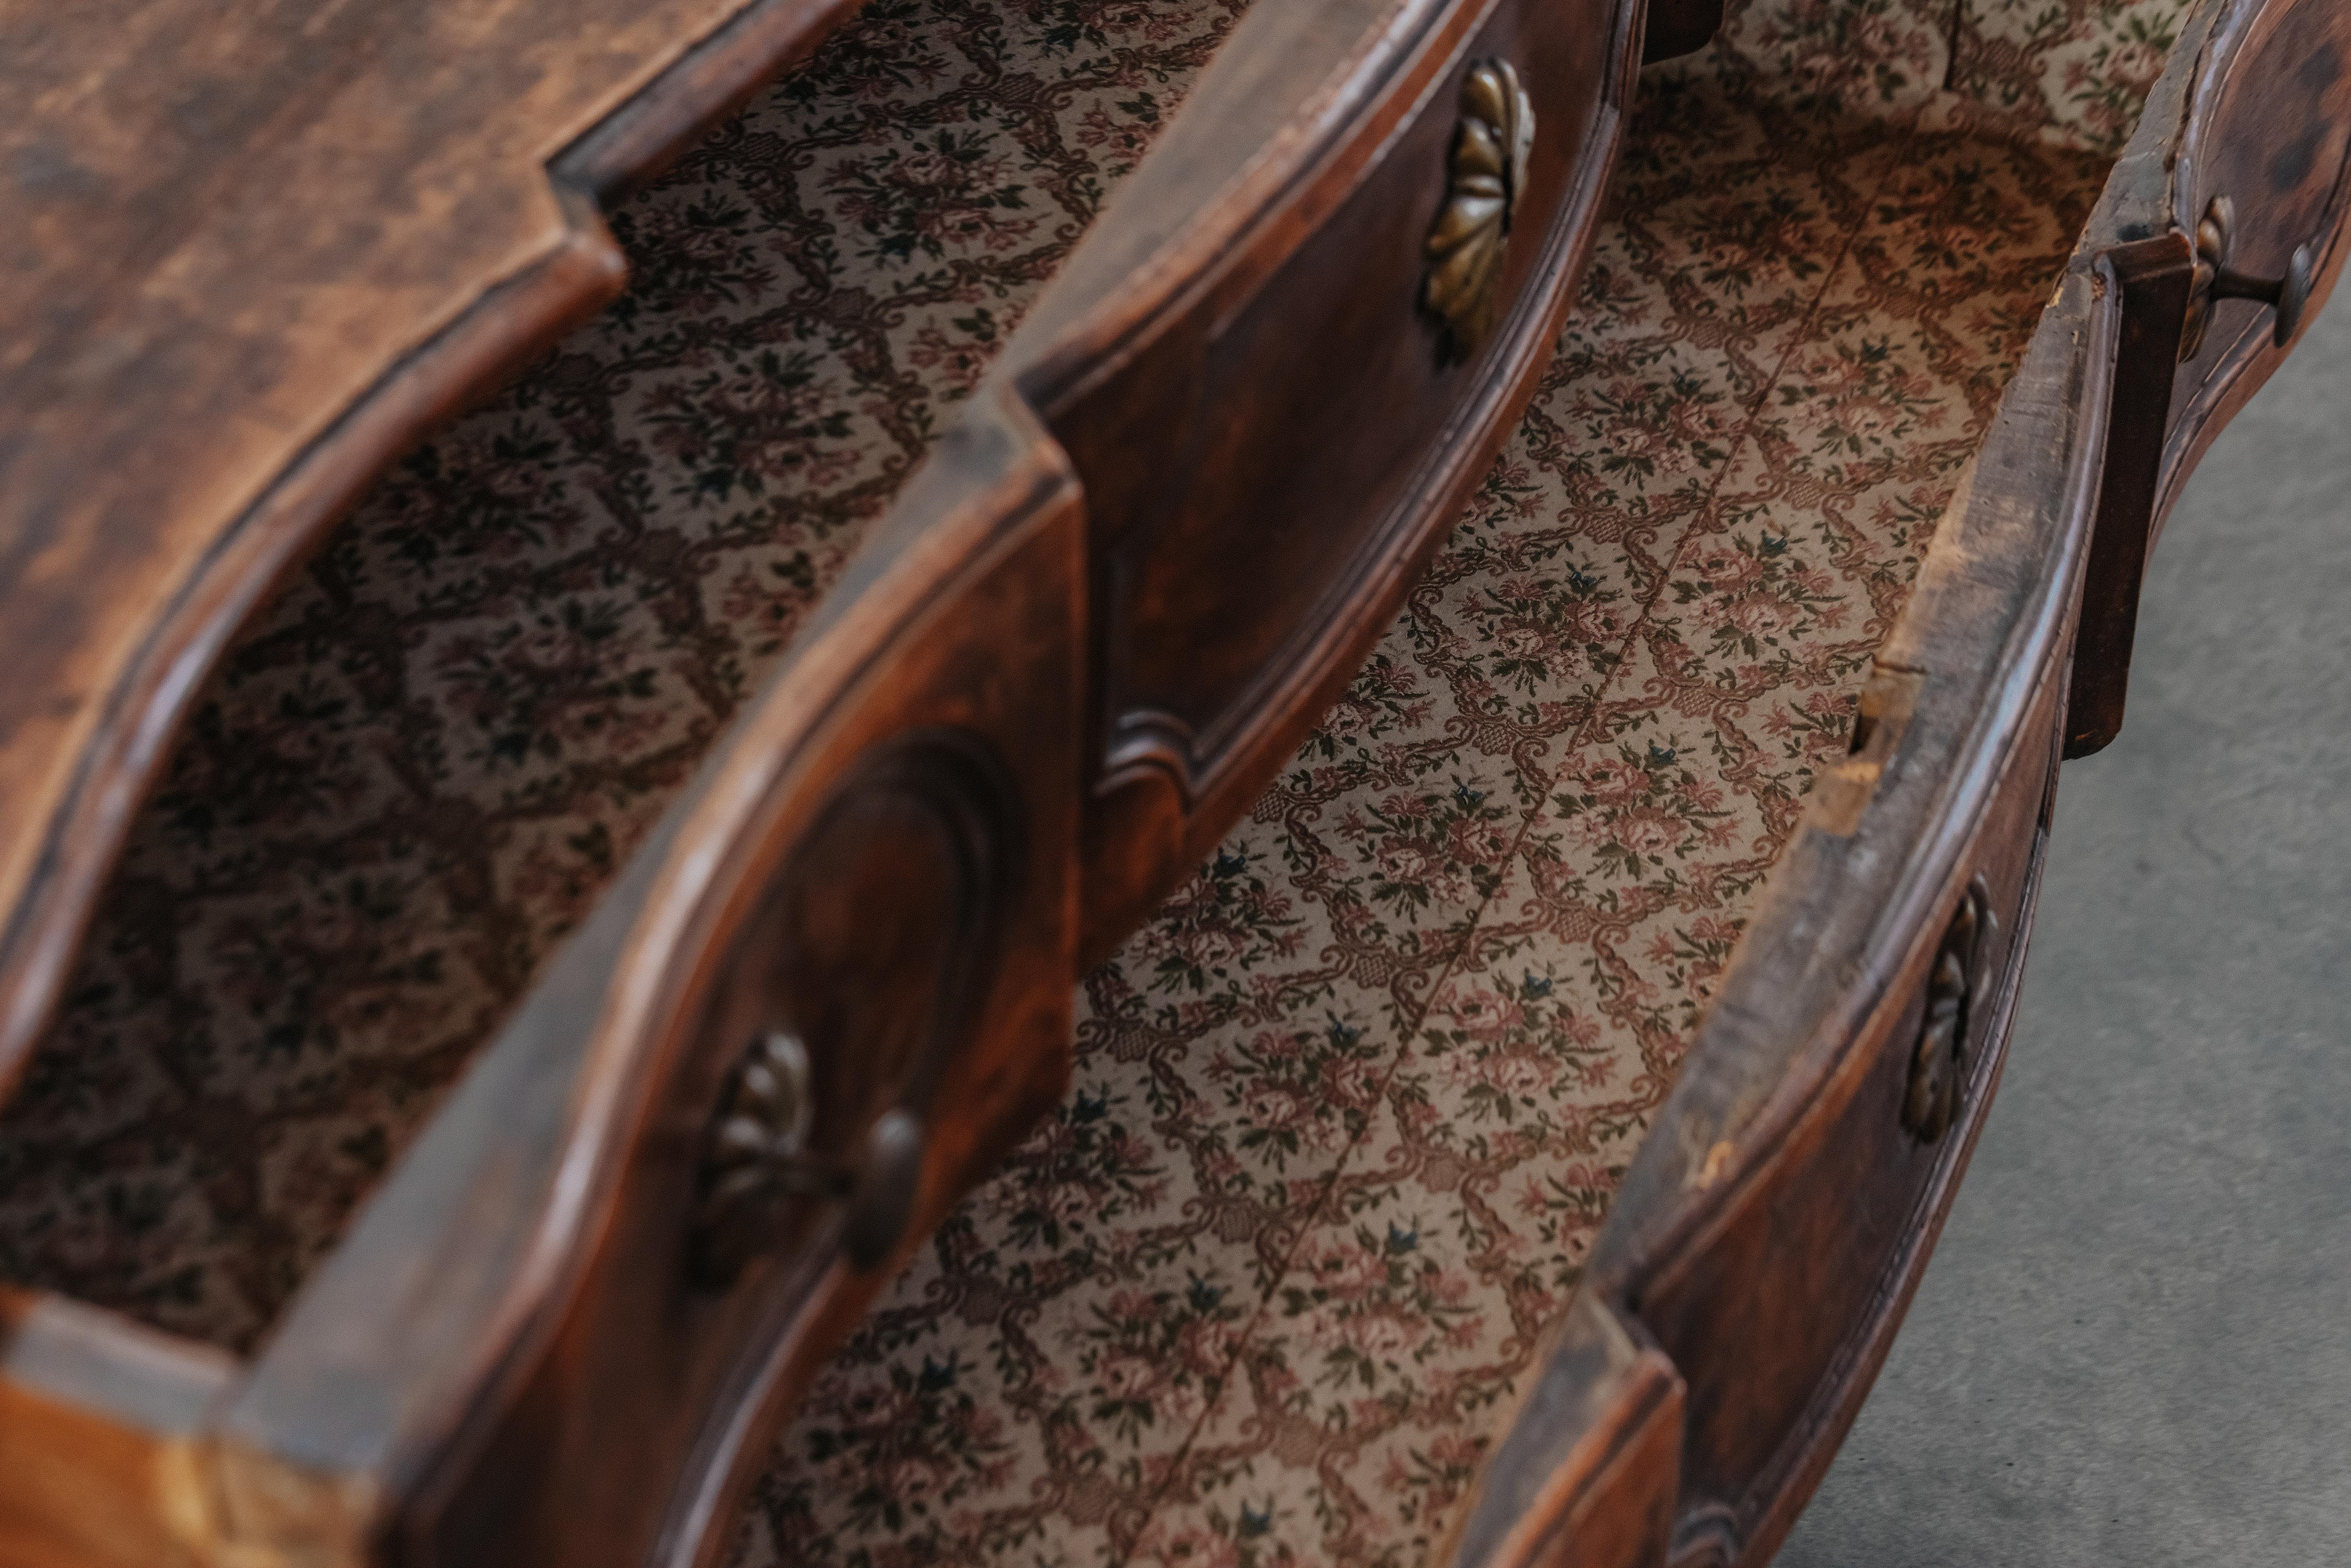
x,y
1216,784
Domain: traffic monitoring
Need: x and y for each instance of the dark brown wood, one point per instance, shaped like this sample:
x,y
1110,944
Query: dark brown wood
x,y
2153,278
881,859
1257,513
98,1419
2270,136
1096,623
1778,1215
1608,1502
1679,27
1767,1312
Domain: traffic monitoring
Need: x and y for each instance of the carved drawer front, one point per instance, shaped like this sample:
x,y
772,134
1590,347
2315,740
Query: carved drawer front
x,y
792,1145
1266,472
2260,192
1777,1312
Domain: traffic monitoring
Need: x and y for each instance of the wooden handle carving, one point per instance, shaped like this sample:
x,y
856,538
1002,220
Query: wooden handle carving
x,y
2215,280
759,1157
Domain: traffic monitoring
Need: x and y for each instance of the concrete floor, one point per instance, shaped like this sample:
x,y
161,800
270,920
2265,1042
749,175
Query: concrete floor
x,y
2134,1344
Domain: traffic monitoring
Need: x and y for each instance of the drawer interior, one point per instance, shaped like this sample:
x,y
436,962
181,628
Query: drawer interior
x,y
1349,1110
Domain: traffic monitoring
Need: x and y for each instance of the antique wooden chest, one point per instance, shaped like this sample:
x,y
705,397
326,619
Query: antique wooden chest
x,y
1053,781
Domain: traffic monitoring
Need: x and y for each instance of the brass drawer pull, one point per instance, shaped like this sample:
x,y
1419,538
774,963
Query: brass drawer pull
x,y
1472,234
2215,280
758,1160
1938,1061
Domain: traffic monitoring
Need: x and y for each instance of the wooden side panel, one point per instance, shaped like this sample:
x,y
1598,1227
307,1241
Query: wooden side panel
x,y
2154,278
1606,1499
250,253
1264,473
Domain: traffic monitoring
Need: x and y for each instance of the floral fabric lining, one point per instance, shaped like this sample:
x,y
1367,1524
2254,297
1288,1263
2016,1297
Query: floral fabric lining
x,y
1349,1113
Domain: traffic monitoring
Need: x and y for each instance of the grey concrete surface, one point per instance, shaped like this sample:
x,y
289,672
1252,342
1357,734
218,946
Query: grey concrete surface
x,y
2134,1344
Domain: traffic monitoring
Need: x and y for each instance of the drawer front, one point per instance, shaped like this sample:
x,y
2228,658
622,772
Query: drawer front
x,y
1264,477
1779,1313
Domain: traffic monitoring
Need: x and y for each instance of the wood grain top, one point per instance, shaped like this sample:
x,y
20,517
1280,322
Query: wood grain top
x,y
247,251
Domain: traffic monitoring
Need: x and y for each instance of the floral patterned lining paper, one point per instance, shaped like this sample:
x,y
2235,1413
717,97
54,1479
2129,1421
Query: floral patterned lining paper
x,y
1348,1114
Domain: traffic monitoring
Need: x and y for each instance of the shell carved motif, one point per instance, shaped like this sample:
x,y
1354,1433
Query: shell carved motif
x,y
1471,238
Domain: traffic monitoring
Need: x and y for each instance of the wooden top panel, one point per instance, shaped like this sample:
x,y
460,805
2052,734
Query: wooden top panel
x,y
225,230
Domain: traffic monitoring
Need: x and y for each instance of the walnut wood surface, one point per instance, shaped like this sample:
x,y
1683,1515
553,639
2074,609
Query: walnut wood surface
x,y
448,1386
2270,131
97,1419
252,251
509,1360
1257,513
521,1290
1774,1223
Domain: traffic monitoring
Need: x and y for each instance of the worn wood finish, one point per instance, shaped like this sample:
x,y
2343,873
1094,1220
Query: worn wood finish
x,y
1777,1329
97,1423
1608,1502
1775,1221
1232,602
882,857
2270,132
447,1389
1048,685
252,253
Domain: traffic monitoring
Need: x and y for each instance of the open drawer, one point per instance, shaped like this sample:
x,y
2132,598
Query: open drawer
x,y
570,1022
657,705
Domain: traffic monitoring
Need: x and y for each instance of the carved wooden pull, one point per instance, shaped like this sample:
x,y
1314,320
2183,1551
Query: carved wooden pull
x,y
1472,234
759,1159
1938,1061
2215,281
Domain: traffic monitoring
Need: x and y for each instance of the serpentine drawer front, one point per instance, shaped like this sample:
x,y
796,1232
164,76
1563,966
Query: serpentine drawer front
x,y
833,984
1270,454
817,795
1790,1293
